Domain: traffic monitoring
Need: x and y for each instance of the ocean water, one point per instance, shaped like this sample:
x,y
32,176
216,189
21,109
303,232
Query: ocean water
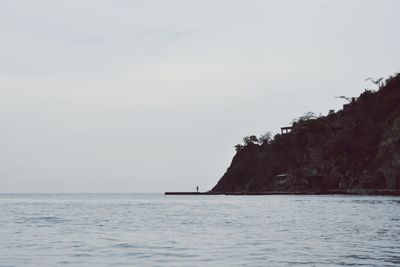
x,y
158,230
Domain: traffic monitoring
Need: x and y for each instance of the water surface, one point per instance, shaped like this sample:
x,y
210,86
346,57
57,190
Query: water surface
x,y
157,230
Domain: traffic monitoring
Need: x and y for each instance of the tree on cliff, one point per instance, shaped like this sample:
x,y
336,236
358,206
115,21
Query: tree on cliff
x,y
267,137
250,139
308,116
378,82
239,147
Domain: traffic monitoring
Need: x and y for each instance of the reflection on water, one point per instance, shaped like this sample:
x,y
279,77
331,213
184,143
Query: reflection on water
x,y
155,230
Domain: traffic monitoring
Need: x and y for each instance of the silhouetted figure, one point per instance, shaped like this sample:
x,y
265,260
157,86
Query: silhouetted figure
x,y
197,189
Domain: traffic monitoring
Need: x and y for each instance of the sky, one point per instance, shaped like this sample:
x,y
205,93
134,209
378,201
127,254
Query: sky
x,y
151,96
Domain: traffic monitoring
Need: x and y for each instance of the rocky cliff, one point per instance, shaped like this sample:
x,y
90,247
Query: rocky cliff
x,y
354,149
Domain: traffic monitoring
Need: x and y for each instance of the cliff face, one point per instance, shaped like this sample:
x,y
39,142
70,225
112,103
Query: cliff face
x,y
353,149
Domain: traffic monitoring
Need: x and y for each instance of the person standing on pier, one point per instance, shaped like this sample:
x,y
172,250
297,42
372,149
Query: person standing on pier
x,y
197,189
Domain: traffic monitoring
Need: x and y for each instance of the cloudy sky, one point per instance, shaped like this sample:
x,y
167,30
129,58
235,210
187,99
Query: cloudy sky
x,y
152,96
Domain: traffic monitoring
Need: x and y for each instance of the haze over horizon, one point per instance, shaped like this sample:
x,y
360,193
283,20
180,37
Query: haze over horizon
x,y
152,96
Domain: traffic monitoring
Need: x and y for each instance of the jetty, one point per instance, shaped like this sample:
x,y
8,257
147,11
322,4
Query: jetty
x,y
378,192
190,193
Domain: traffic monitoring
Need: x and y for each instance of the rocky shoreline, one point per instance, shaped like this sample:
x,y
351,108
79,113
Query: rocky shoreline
x,y
355,150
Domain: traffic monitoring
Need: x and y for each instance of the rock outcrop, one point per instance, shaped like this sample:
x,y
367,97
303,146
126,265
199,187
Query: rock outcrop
x,y
354,149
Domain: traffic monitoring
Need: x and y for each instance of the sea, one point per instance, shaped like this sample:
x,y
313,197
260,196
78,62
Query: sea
x,y
157,230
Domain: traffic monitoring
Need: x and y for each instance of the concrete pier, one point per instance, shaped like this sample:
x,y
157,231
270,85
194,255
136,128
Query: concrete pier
x,y
327,192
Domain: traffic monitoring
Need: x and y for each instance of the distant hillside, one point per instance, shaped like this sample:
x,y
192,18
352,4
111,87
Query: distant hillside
x,y
356,149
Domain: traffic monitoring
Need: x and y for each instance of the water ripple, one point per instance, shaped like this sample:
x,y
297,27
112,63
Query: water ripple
x,y
155,230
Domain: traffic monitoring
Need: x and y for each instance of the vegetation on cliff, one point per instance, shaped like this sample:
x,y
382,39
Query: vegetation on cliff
x,y
355,148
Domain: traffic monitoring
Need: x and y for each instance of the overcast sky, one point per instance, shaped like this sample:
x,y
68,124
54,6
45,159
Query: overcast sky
x,y
152,96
